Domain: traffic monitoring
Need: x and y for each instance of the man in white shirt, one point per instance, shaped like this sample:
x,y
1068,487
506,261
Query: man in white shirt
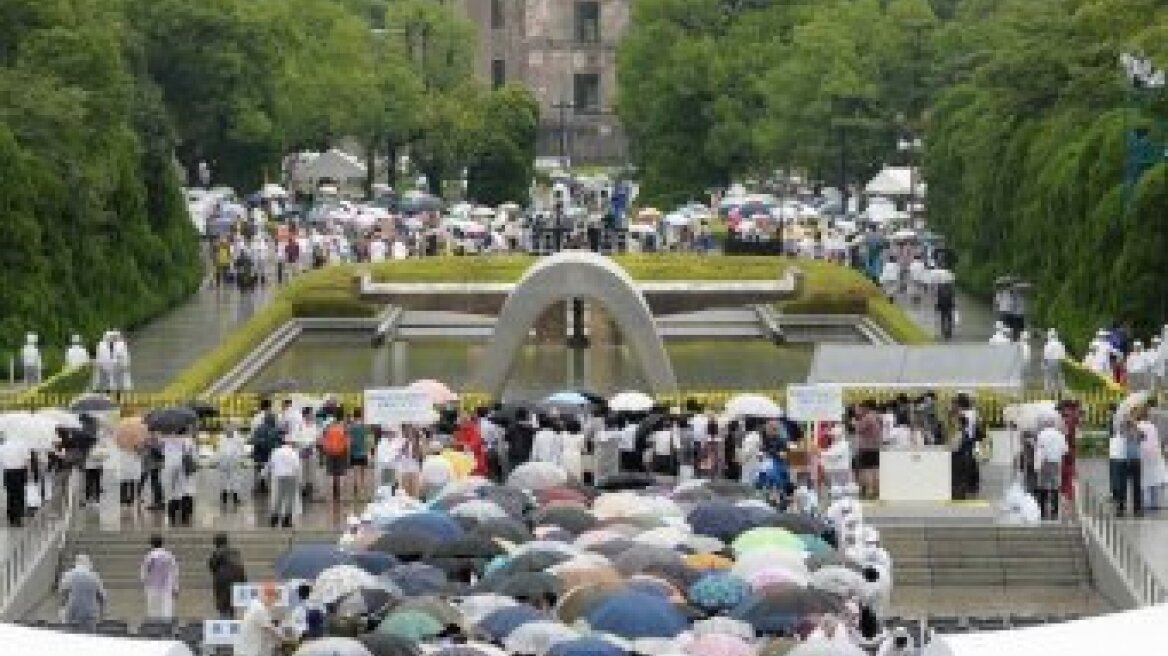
x,y
1049,448
15,459
76,355
1053,354
377,250
284,468
30,360
258,633
1138,365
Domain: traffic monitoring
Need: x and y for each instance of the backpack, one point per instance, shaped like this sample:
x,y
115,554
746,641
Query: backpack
x,y
335,443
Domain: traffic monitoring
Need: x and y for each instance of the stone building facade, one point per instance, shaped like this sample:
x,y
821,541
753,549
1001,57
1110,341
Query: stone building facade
x,y
565,52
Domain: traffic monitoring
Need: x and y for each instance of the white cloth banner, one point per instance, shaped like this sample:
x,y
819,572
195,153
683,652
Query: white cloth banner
x,y
815,402
389,406
242,594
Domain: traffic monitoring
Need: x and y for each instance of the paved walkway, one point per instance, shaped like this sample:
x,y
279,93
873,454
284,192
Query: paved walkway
x,y
975,317
1150,533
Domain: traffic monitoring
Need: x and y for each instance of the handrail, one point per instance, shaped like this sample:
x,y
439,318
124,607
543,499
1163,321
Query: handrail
x,y
1096,515
46,530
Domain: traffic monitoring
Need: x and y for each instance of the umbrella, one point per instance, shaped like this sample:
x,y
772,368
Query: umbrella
x,y
631,402
36,433
719,645
626,481
767,537
171,420
340,580
443,611
62,419
502,622
92,403
569,399
437,392
708,562
538,638
721,625
573,575
841,581
598,536
553,533
587,646
778,647
1130,404
479,510
656,586
532,561
552,494
749,563
473,545
814,544
511,530
416,579
753,405
365,601
475,607
512,500
537,476
720,519
469,649
613,548
794,522
571,517
411,624
655,560
435,525
373,561
307,561
780,609
767,577
820,560
826,647
202,409
578,601
532,586
634,615
131,433
333,647
382,644
718,592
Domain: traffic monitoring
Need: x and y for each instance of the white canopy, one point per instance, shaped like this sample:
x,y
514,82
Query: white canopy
x,y
43,642
333,164
1118,633
895,181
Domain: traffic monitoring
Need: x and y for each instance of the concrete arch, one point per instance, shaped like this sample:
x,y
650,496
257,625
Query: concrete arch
x,y
577,274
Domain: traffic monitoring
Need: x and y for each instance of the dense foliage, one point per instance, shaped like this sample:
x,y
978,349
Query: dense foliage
x,y
93,226
1021,105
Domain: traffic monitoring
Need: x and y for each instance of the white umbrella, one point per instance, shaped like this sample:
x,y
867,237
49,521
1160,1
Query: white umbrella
x,y
479,509
1131,403
436,471
1030,417
723,626
842,581
825,647
762,559
612,505
340,580
333,647
657,646
537,476
475,607
482,213
631,402
753,405
538,637
34,432
273,190
62,418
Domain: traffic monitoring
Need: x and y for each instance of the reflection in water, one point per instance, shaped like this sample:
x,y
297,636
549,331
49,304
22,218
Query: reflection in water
x,y
328,363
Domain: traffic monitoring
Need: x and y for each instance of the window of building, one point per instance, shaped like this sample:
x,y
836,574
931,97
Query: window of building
x,y
588,21
498,17
587,92
498,72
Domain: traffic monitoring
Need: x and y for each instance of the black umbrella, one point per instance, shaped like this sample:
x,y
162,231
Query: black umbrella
x,y
202,409
525,586
474,545
509,413
92,403
172,420
795,523
365,601
649,425
780,609
568,516
626,481
532,561
612,548
405,543
511,530
658,561
512,500
384,644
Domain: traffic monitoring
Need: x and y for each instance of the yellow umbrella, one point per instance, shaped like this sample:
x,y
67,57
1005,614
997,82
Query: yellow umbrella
x,y
461,463
706,562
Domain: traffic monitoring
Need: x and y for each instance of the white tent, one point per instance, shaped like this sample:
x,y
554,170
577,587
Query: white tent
x,y
43,642
1139,630
895,181
342,168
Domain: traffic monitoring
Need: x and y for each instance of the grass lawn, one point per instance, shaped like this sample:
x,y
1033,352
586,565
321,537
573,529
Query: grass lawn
x,y
332,292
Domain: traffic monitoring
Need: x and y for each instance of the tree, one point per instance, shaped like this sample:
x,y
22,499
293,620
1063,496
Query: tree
x,y
502,162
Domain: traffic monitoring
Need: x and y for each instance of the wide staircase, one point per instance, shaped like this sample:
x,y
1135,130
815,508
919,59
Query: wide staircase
x,y
117,557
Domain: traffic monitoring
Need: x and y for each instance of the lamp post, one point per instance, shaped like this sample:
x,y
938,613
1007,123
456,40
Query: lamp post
x,y
1143,150
911,147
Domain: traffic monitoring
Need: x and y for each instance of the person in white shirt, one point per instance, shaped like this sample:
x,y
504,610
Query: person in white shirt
x,y
15,459
231,462
76,355
837,460
1157,353
545,446
284,471
1049,448
918,278
1001,335
890,277
666,445
258,633
1153,469
572,449
103,364
750,457
377,250
1053,354
30,360
1138,365
123,380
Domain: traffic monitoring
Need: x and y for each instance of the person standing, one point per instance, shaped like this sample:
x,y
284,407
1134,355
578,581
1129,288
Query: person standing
x,y
1153,469
30,361
178,458
359,447
258,633
284,471
1053,354
103,363
159,573
469,439
1049,448
83,595
76,355
519,437
265,439
123,380
1125,456
869,439
230,465
15,460
129,465
545,446
335,445
227,570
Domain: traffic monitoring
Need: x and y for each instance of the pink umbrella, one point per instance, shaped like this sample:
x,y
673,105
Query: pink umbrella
x,y
771,576
719,644
438,392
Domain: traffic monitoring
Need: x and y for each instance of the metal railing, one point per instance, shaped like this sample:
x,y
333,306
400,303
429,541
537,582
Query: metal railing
x,y
1096,514
40,535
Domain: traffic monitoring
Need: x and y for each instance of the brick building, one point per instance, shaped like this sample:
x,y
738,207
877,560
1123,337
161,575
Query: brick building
x,y
565,52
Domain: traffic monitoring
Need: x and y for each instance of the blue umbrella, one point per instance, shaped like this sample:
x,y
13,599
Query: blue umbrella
x,y
307,561
500,623
418,579
719,591
720,519
431,524
587,646
567,398
633,615
373,562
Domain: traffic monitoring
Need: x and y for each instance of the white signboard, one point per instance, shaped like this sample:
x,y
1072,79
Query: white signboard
x,y
815,402
220,633
398,405
242,594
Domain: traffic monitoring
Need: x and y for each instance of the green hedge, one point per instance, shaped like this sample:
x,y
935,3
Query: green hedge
x,y
73,380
